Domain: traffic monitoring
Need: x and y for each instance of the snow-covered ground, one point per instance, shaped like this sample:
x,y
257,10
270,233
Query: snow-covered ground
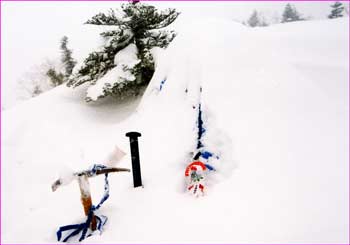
x,y
275,103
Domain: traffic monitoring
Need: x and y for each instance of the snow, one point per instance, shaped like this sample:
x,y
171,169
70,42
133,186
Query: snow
x,y
114,157
275,105
127,56
66,176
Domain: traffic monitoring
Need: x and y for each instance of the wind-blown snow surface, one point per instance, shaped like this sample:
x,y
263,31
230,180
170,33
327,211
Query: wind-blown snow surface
x,y
276,98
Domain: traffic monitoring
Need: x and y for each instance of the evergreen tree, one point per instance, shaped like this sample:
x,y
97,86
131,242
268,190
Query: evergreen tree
x,y
337,10
36,81
125,64
253,20
60,75
36,91
56,78
66,58
256,19
290,14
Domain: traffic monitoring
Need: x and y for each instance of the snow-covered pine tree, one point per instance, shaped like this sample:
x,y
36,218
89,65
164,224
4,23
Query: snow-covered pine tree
x,y
337,10
253,20
290,14
67,58
125,63
256,19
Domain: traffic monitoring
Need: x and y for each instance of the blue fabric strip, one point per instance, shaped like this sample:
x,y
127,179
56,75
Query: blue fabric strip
x,y
162,84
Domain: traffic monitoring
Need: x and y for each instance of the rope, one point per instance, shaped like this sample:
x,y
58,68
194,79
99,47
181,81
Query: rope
x,y
85,227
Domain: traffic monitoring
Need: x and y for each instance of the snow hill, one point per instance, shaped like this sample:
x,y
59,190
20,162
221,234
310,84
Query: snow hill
x,y
275,103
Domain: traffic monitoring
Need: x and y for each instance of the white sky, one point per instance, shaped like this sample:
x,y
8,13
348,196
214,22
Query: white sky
x,y
31,30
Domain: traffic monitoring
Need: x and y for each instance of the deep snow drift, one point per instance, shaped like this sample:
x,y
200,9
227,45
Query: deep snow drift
x,y
275,102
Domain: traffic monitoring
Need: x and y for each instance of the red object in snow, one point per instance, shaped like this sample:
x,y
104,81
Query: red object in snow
x,y
193,166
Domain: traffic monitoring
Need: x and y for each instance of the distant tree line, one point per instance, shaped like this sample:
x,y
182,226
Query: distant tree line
x,y
337,10
291,14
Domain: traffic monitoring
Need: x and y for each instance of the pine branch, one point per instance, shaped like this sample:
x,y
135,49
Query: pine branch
x,y
164,19
109,19
98,63
159,38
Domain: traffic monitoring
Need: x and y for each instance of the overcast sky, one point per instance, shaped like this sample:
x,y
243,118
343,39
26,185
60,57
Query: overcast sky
x,y
31,30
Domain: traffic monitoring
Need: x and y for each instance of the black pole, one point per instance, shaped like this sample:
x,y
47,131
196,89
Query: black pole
x,y
135,158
